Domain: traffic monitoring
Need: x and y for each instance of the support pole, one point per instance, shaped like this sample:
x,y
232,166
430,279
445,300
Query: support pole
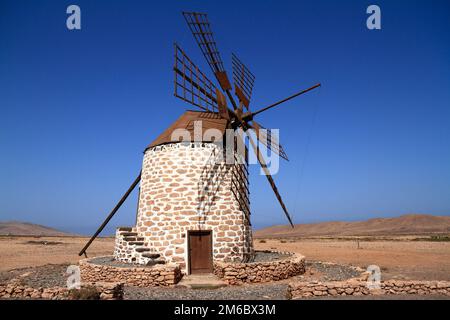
x,y
284,100
112,213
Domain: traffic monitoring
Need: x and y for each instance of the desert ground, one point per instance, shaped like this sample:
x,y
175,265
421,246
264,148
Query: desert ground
x,y
398,257
23,252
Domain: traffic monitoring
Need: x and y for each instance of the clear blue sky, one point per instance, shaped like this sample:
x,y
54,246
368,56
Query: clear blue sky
x,y
79,107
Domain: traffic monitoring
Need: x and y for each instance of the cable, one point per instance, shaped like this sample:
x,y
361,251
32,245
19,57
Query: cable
x,y
308,141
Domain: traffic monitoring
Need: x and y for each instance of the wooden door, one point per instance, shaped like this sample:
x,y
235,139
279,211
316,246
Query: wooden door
x,y
200,252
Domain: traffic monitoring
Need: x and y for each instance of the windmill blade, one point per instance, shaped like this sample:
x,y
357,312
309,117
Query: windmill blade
x,y
193,86
270,179
271,142
243,81
240,188
201,29
240,185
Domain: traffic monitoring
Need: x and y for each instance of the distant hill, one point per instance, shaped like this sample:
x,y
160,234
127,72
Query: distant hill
x,y
404,225
28,229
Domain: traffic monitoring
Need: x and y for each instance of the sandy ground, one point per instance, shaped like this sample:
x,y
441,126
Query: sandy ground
x,y
417,260
16,252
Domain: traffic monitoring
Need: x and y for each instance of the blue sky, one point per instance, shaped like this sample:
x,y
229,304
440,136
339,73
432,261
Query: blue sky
x,y
79,107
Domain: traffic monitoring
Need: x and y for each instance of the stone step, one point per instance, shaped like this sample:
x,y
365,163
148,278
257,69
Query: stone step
x,y
202,281
155,262
136,243
128,234
133,239
142,249
151,255
126,229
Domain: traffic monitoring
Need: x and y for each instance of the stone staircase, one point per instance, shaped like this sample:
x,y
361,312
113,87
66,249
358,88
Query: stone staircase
x,y
130,248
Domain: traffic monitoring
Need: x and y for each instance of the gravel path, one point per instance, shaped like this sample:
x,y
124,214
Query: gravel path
x,y
248,292
263,256
330,272
109,261
47,276
260,256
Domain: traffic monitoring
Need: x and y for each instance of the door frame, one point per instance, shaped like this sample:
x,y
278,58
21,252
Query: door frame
x,y
189,232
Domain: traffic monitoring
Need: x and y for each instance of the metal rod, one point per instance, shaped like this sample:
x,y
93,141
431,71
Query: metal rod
x,y
286,99
118,205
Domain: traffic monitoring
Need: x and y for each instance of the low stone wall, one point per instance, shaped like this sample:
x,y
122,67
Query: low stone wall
x,y
254,272
158,275
15,290
359,288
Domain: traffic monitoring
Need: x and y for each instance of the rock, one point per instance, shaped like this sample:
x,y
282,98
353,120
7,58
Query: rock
x,y
349,291
333,292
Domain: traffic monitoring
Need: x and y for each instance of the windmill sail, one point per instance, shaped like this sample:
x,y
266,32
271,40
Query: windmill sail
x,y
243,81
201,29
265,137
192,85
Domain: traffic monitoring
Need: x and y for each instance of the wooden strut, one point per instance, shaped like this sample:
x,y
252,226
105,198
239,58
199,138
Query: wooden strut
x,y
270,179
112,213
284,100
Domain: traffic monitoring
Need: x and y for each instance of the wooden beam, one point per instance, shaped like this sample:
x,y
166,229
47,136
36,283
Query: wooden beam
x,y
111,214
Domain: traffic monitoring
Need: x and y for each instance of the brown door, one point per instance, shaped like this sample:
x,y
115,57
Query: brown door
x,y
200,252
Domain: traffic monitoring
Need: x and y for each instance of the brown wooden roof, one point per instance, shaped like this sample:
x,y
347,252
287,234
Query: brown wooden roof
x,y
186,121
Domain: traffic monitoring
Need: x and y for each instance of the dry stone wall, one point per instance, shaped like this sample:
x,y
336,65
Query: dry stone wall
x,y
254,272
189,187
359,288
16,290
158,275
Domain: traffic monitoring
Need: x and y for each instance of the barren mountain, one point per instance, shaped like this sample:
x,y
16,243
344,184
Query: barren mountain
x,y
403,225
28,229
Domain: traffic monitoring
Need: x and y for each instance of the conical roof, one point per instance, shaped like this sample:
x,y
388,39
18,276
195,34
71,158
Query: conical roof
x,y
209,120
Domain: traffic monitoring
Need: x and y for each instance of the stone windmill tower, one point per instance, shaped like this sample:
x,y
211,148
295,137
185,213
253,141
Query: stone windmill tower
x,y
194,205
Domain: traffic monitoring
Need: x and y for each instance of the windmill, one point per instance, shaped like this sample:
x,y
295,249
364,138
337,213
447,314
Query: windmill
x,y
193,86
206,96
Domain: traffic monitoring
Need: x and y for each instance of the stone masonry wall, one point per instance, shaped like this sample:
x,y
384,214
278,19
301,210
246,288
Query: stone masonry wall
x,y
16,290
254,272
158,275
188,187
358,288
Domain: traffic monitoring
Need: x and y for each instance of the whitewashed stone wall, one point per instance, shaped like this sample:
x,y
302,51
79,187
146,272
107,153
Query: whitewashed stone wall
x,y
183,188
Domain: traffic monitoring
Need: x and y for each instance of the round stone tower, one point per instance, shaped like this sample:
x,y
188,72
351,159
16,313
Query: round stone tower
x,y
193,206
